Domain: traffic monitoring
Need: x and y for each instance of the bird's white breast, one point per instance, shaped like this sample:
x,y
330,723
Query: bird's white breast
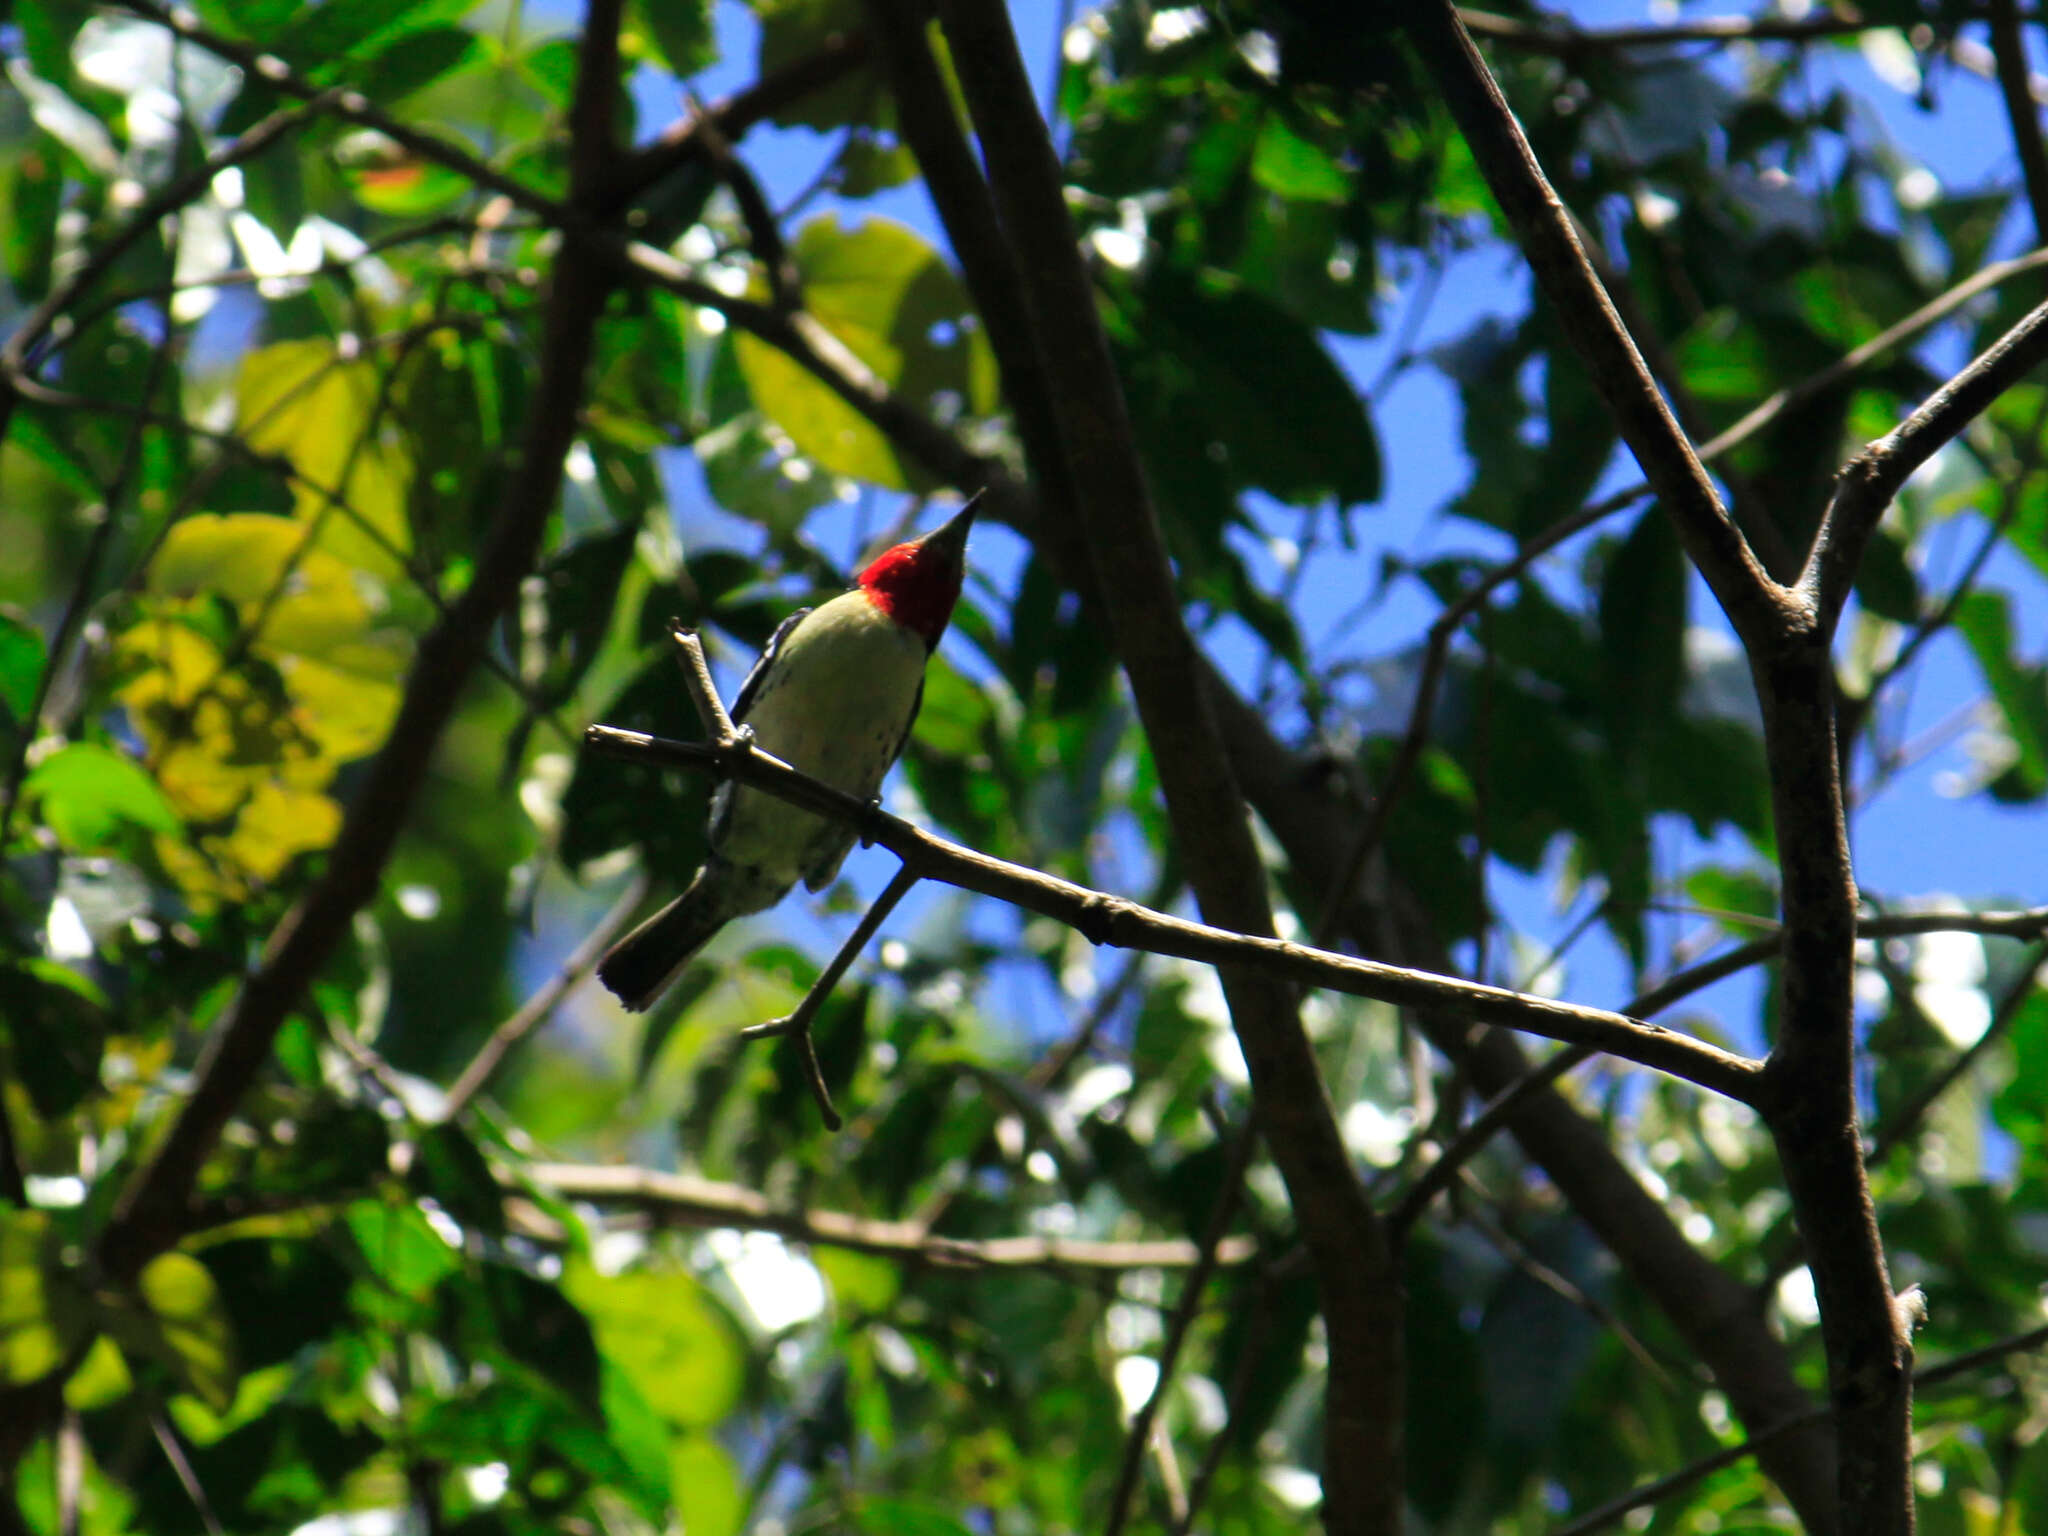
x,y
833,705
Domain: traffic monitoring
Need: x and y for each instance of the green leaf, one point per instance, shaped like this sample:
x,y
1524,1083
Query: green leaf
x,y
56,1023
177,1319
710,1499
448,1168
1642,629
795,30
87,793
1984,620
900,1517
892,301
664,1331
1885,583
44,1315
1289,166
1229,390
21,668
680,30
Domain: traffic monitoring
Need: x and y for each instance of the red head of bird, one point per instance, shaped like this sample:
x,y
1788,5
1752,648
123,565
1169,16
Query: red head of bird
x,y
917,583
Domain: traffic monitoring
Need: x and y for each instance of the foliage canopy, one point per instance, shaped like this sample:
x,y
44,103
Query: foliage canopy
x,y
381,379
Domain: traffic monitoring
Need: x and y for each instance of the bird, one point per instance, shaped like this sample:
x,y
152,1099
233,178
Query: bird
x,y
833,695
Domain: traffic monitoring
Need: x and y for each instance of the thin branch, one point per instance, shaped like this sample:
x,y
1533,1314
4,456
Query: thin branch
x,y
686,1200
1113,920
1901,1122
350,106
1543,228
797,1023
1562,39
537,1009
1178,1328
1470,1141
1870,480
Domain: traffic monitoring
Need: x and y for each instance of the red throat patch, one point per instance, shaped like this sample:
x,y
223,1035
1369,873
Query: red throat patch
x,y
915,586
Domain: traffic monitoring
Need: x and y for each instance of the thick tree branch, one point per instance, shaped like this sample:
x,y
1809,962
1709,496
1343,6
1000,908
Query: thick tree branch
x,y
1355,1266
1543,227
151,1210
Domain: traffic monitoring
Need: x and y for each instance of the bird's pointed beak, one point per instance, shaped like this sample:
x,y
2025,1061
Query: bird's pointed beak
x,y
950,537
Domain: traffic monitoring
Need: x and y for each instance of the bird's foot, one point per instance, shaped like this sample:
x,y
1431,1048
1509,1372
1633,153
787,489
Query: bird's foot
x,y
874,809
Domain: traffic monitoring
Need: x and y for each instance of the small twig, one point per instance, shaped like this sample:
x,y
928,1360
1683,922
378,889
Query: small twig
x,y
718,726
1184,1314
1870,480
538,1008
1517,1253
1468,1143
1901,1122
797,1023
1240,1387
174,1453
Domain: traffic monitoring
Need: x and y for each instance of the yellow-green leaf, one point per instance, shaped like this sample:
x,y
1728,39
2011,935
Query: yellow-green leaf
x,y
669,1337
87,792
706,1486
42,1315
176,1318
305,401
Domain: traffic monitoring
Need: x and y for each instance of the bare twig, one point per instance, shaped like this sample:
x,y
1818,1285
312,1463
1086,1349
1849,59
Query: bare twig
x,y
1183,1320
1871,479
689,1201
537,1009
718,726
797,1023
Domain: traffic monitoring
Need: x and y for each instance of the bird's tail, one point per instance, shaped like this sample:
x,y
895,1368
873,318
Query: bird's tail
x,y
640,966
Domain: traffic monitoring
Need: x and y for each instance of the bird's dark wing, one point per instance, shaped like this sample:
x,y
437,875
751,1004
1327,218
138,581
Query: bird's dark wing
x,y
916,703
752,685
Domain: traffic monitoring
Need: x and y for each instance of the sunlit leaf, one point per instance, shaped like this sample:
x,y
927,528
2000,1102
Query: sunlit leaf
x,y
88,792
660,1328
